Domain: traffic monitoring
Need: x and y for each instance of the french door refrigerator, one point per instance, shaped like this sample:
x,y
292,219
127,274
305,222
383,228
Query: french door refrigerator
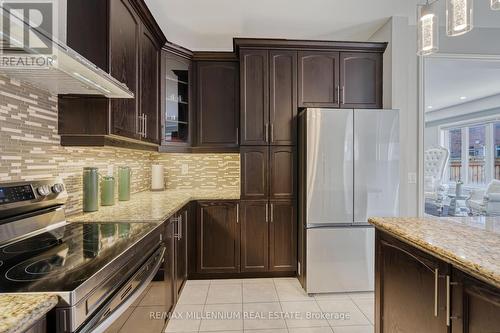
x,y
349,171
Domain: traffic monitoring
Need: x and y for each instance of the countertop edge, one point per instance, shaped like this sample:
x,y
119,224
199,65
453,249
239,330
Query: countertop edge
x,y
437,252
34,315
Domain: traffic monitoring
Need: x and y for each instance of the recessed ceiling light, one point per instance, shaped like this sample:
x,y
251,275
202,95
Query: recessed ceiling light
x,y
430,107
463,97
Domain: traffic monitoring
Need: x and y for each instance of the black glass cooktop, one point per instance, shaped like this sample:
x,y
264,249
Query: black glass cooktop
x,y
61,259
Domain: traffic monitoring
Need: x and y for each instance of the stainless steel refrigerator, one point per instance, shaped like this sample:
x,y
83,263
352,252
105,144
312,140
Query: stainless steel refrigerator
x,y
349,170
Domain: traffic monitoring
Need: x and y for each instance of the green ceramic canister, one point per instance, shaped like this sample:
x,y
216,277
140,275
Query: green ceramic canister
x,y
90,189
108,191
124,175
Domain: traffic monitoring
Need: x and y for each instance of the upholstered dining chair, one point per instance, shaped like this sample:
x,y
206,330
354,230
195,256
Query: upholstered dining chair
x,y
485,201
435,160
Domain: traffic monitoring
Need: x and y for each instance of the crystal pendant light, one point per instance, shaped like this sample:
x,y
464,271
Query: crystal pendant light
x,y
428,30
458,17
495,4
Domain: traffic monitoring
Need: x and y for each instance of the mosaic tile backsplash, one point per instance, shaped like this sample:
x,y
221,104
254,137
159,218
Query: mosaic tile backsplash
x,y
30,149
204,171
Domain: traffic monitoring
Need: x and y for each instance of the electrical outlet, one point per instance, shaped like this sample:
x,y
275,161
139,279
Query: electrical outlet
x,y
412,177
184,169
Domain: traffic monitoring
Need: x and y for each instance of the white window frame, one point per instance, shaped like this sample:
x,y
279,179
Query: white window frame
x,y
490,149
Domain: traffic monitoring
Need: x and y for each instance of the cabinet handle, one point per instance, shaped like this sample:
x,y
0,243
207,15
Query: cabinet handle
x,y
447,300
145,125
436,291
179,223
338,94
343,95
272,132
272,213
237,135
237,213
139,125
266,127
267,212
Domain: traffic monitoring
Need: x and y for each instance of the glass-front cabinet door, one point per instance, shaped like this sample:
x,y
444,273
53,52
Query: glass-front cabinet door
x,y
177,98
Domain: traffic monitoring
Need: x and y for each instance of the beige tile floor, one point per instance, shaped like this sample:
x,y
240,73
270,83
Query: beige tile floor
x,y
269,306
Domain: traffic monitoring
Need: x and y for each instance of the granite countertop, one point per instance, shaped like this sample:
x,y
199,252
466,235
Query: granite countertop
x,y
153,206
20,312
471,244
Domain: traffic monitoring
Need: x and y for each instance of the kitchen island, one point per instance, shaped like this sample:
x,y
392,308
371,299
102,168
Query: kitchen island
x,y
437,274
20,313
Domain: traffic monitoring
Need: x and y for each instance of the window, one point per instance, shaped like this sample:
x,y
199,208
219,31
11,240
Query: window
x,y
474,153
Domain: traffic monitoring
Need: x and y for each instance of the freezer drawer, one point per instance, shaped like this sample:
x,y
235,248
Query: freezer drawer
x,y
340,259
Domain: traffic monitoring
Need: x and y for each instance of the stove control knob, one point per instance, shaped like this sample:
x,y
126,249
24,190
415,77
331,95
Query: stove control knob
x,y
57,188
43,190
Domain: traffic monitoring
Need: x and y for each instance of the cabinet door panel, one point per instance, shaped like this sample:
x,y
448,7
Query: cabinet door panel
x,y
169,267
124,47
361,80
254,73
218,103
254,172
475,305
318,79
218,238
283,236
282,177
408,277
150,67
283,97
254,236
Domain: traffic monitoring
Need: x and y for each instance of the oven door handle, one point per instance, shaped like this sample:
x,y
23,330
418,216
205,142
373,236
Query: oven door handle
x,y
103,324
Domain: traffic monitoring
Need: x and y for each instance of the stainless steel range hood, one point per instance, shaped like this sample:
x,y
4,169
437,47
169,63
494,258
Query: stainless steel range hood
x,y
62,71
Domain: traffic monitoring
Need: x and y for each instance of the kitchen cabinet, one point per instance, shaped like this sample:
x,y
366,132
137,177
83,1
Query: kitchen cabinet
x,y
340,79
318,79
360,80
282,235
254,216
217,100
180,222
475,305
122,38
176,96
39,327
268,172
437,296
218,237
269,97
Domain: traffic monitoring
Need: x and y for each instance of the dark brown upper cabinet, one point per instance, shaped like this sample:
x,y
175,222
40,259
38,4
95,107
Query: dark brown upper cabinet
x,y
319,79
268,172
217,91
218,237
269,97
254,74
283,97
282,236
177,120
340,79
360,80
122,38
254,216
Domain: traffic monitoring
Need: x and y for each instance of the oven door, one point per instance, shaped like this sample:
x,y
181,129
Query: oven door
x,y
123,305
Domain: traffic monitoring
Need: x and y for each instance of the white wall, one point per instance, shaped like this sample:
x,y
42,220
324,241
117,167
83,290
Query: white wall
x,y
400,92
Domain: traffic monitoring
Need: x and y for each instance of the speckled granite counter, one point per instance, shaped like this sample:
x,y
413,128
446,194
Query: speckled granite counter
x,y
470,244
20,312
152,206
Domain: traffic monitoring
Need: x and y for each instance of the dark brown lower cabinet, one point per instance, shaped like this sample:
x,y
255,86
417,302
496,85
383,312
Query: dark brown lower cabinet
x,y
254,216
169,265
282,236
218,237
475,305
39,327
416,292
180,222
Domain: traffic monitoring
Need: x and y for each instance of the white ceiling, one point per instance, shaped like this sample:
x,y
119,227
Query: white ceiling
x,y
448,79
211,24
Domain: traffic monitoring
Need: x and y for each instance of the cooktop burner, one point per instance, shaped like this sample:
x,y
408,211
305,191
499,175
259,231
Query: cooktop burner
x,y
61,259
